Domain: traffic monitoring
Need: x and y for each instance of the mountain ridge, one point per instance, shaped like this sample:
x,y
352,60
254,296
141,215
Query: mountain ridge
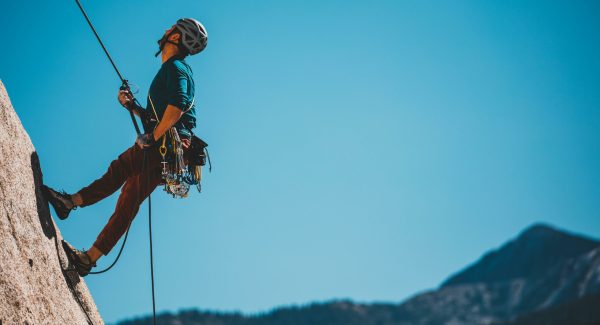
x,y
539,245
567,277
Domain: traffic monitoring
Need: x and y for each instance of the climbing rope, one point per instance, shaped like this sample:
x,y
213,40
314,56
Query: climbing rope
x,y
151,255
144,170
118,255
124,82
125,86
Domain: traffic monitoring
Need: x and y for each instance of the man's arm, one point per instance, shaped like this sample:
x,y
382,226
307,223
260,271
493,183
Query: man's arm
x,y
170,117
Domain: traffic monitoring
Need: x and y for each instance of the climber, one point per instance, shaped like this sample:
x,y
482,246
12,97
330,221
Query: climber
x,y
139,169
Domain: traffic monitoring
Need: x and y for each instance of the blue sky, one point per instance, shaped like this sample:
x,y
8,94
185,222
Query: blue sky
x,y
361,149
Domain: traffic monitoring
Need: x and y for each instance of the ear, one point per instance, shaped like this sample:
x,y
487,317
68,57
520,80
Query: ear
x,y
175,37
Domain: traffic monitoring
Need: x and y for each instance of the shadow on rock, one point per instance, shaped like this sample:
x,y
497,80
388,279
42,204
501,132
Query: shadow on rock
x,y
47,223
42,205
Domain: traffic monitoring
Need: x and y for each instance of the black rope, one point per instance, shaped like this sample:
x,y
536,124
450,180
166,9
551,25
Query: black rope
x,y
150,237
125,86
128,227
144,169
100,41
124,83
72,288
118,255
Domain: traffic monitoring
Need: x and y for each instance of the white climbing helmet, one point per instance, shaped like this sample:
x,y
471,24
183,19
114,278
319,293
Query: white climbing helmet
x,y
193,35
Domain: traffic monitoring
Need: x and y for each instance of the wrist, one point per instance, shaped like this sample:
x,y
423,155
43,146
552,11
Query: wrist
x,y
150,139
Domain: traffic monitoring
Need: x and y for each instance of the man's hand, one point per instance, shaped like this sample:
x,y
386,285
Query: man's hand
x,y
145,140
125,98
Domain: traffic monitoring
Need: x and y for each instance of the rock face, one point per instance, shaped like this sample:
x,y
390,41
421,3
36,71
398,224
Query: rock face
x,y
37,283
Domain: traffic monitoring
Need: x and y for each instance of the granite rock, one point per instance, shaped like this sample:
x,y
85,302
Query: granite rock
x,y
37,283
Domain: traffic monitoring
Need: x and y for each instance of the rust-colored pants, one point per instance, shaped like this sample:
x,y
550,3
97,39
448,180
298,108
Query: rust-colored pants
x,y
140,180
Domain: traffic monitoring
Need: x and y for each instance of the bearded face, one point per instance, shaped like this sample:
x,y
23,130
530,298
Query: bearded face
x,y
165,39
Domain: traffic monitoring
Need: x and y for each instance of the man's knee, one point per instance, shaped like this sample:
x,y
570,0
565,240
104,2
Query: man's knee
x,y
124,165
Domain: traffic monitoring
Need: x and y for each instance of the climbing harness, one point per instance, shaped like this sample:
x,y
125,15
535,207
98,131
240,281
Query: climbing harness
x,y
177,175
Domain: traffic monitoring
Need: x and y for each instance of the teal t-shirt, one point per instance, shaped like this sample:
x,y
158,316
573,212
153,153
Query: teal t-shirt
x,y
174,85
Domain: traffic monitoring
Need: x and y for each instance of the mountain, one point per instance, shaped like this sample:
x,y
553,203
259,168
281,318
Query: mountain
x,y
37,284
496,301
530,254
543,274
542,267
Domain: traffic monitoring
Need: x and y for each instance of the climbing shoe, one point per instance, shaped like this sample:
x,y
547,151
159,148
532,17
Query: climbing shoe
x,y
80,260
60,201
